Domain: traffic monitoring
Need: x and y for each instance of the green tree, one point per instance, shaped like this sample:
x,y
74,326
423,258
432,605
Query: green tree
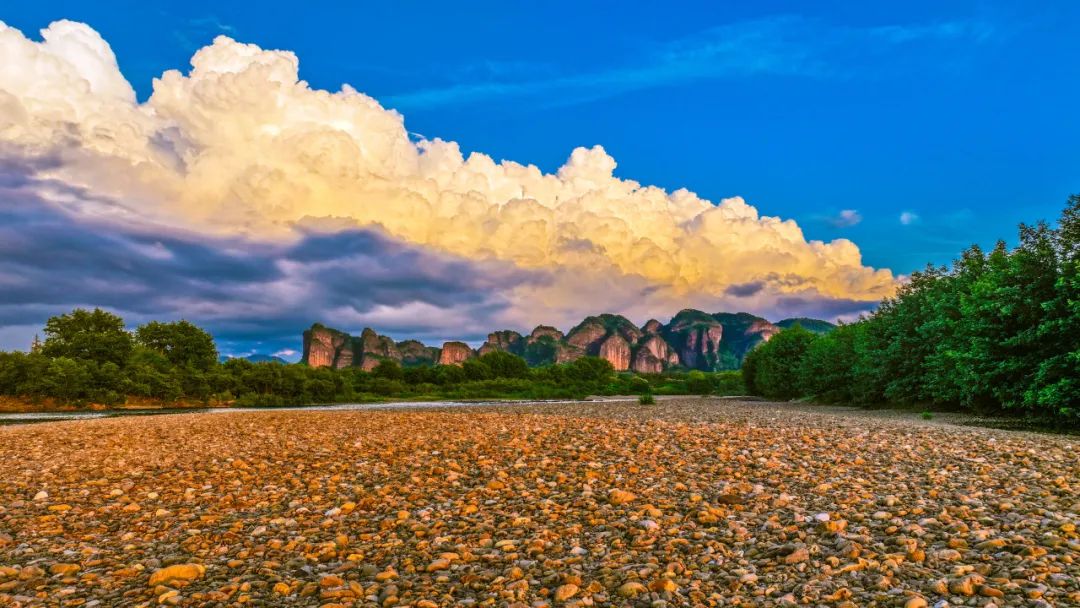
x,y
181,342
1055,385
13,372
827,370
389,369
749,372
639,385
67,379
541,351
698,383
590,371
777,362
505,365
477,369
85,335
449,375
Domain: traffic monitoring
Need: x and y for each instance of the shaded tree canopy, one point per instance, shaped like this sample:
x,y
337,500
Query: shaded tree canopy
x,y
995,331
181,343
86,335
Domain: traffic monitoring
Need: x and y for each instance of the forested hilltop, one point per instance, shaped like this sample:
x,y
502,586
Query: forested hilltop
x,y
996,330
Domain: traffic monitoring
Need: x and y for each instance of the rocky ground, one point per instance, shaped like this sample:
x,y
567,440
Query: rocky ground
x,y
692,502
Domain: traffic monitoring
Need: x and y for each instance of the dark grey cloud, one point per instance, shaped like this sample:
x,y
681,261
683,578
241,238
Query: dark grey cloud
x,y
253,296
745,290
820,307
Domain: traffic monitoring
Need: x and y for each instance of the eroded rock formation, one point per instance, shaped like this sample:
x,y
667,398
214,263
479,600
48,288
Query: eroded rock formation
x,y
742,332
455,353
606,336
375,348
414,352
692,340
325,347
616,350
654,355
506,340
696,337
545,330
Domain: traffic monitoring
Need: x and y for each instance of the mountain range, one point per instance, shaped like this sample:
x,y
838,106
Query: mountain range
x,y
255,358
692,340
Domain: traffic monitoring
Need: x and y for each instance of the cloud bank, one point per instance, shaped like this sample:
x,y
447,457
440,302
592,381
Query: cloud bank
x,y
243,158
255,296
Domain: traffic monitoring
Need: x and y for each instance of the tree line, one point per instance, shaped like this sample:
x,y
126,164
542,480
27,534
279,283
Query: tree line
x,y
89,357
995,331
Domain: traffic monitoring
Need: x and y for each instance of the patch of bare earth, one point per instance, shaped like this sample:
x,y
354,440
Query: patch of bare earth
x,y
691,502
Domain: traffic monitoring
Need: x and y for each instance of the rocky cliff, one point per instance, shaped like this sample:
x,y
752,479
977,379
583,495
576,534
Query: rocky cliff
x,y
375,348
591,333
506,340
455,353
742,332
542,331
325,347
415,353
654,355
692,339
616,350
696,337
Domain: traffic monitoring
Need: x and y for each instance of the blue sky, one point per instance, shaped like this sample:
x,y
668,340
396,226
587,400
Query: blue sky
x,y
847,117
963,114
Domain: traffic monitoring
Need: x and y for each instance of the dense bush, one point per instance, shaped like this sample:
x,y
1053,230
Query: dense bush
x,y
995,331
827,368
776,363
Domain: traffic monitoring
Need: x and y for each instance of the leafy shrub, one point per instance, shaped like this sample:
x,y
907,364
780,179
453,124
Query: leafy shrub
x,y
776,363
729,383
638,385
697,383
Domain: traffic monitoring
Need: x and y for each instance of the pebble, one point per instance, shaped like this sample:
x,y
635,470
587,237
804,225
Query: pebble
x,y
692,502
177,574
620,497
797,556
565,592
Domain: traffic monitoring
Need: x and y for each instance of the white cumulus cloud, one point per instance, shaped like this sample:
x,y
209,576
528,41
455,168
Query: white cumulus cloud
x,y
846,218
239,145
908,218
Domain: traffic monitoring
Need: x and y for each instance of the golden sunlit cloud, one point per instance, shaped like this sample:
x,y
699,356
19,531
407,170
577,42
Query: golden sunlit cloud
x,y
240,146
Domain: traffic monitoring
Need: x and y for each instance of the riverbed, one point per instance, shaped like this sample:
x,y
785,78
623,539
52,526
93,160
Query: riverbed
x,y
34,417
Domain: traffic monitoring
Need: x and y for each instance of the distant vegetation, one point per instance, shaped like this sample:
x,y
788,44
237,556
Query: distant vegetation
x,y
997,331
89,357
